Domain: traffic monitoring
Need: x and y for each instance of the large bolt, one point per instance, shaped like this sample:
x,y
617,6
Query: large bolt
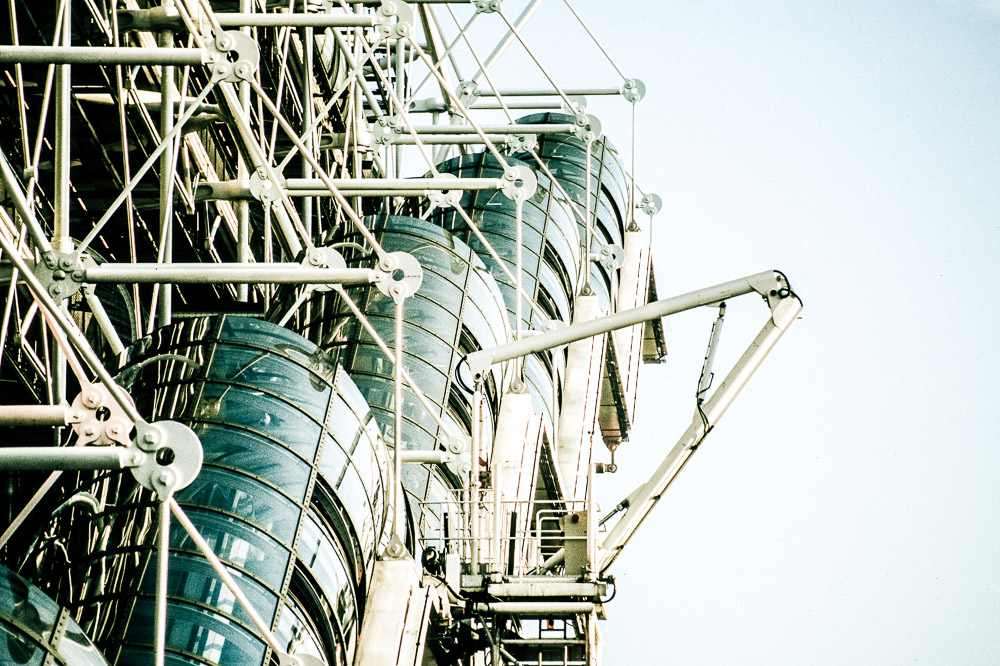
x,y
66,263
91,399
150,437
59,274
55,290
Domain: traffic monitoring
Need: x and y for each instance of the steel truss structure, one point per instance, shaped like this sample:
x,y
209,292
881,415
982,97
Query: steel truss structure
x,y
309,338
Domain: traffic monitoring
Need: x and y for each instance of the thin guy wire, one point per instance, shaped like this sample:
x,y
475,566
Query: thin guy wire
x,y
190,111
596,41
464,111
317,167
531,54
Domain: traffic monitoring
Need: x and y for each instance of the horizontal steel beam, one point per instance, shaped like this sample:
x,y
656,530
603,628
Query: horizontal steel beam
x,y
285,273
34,415
68,458
448,139
536,608
527,128
540,92
542,589
321,20
233,190
763,283
101,55
398,183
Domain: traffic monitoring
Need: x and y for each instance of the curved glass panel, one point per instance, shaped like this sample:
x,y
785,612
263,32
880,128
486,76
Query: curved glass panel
x,y
192,577
239,449
27,620
262,369
297,635
238,544
327,563
260,412
259,505
197,631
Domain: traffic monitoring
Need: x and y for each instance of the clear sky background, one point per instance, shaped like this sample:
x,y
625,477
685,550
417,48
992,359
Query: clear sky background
x,y
847,508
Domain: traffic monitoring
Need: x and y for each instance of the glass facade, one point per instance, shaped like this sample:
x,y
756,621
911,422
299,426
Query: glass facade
x,y
291,497
459,308
34,629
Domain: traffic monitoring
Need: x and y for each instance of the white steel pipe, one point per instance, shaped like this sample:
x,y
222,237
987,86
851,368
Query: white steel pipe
x,y
646,496
541,608
34,415
102,55
319,20
67,458
425,457
763,283
283,273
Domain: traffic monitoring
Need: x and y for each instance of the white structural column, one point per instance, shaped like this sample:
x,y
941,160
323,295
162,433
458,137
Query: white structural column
x,y
394,629
578,418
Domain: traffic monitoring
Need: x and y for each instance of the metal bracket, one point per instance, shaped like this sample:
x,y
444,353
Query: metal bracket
x,y
577,106
521,143
97,418
387,130
403,27
398,275
175,457
612,257
650,204
61,273
444,198
263,189
323,257
633,90
234,56
487,6
519,183
461,452
396,550
588,128
467,93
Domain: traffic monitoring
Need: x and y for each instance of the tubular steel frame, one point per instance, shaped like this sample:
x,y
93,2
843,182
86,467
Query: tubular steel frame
x,y
375,107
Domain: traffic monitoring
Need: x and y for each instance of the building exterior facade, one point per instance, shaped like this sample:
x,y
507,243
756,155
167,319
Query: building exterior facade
x,y
312,347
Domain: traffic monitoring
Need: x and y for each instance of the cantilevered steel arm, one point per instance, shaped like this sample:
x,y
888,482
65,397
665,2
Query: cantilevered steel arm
x,y
772,285
644,498
784,306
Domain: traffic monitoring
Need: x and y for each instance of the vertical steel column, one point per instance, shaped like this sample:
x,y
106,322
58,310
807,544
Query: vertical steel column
x,y
398,520
166,40
63,97
162,568
400,93
61,239
243,207
477,406
308,118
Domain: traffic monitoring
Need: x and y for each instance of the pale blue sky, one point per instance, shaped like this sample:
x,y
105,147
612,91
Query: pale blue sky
x,y
846,510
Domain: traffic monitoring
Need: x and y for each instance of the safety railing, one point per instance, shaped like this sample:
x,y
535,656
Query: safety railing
x,y
512,538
